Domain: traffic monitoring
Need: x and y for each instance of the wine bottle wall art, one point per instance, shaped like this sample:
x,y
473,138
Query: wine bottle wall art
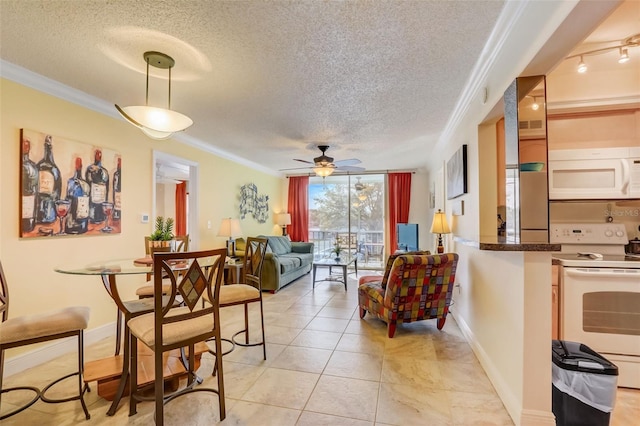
x,y
68,188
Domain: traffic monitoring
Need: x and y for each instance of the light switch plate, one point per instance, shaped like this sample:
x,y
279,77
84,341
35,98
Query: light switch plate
x,y
144,218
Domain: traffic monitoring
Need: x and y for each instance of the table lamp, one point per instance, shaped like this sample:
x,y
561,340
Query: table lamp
x,y
440,226
283,219
230,228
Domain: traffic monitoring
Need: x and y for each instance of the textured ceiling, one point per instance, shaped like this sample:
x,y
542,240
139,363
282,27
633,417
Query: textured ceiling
x,y
268,81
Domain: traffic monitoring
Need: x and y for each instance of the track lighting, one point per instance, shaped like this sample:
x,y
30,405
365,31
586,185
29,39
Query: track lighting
x,y
582,67
624,56
622,47
535,105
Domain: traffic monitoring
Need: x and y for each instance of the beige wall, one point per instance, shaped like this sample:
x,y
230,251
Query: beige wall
x,y
29,263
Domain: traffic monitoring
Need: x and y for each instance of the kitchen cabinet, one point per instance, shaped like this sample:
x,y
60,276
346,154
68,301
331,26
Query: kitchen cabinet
x,y
555,301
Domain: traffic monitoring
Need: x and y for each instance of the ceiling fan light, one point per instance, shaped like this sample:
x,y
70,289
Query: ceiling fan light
x,y
323,171
582,67
624,55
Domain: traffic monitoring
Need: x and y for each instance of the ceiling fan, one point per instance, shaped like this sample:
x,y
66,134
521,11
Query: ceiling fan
x,y
324,165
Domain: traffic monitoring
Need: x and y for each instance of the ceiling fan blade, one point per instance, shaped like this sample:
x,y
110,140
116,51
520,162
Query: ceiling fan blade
x,y
350,169
295,168
303,161
348,162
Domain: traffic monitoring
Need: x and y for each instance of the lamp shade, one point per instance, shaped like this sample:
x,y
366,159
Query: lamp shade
x,y
323,171
283,219
230,228
440,225
157,123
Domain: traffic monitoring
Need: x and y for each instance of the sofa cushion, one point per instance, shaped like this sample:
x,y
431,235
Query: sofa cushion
x,y
280,245
289,263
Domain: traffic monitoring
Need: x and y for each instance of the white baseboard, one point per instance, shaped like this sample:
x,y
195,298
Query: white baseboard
x,y
55,349
537,418
510,401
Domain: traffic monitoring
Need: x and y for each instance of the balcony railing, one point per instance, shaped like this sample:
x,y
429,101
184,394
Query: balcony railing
x,y
367,245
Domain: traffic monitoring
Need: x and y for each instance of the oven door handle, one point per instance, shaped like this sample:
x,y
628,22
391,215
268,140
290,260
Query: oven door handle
x,y
615,273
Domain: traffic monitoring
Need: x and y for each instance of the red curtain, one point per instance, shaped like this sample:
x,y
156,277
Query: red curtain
x,y
181,208
399,202
298,208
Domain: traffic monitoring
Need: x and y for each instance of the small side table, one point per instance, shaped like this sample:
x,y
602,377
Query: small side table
x,y
232,272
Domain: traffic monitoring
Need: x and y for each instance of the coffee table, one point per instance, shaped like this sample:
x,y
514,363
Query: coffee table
x,y
342,262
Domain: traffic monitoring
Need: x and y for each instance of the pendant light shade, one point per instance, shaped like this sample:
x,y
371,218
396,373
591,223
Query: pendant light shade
x,y
157,123
323,171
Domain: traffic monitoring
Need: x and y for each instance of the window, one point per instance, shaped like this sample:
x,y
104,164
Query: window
x,y
349,208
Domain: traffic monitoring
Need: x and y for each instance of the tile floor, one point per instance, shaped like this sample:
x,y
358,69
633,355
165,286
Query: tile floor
x,y
325,366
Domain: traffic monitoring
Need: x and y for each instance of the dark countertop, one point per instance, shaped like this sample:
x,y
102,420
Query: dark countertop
x,y
502,244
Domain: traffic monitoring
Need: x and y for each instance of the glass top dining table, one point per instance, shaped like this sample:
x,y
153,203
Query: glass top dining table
x,y
108,271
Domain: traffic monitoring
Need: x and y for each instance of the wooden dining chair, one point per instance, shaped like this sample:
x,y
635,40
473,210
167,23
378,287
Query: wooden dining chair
x,y
143,292
27,330
168,327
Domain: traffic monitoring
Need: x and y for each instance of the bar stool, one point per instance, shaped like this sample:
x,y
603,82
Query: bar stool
x,y
27,330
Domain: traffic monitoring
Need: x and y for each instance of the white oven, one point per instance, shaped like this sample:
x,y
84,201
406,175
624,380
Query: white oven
x,y
600,294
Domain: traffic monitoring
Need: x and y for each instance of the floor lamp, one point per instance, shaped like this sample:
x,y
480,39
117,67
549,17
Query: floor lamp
x,y
440,226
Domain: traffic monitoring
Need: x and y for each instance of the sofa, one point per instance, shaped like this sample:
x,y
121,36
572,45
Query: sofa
x,y
284,262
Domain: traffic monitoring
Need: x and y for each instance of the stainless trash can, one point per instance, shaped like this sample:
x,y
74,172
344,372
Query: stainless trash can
x,y
584,385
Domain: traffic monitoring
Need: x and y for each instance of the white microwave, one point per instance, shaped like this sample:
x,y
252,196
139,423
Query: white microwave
x,y
588,174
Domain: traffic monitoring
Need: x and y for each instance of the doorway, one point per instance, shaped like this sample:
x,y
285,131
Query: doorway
x,y
169,171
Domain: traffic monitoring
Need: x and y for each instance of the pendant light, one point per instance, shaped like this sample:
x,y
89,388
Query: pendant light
x,y
157,123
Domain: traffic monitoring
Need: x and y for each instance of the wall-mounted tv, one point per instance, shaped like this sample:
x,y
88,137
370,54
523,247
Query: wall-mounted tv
x,y
407,236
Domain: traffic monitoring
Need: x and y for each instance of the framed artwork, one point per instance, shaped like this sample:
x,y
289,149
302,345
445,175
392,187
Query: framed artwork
x,y
68,188
253,203
457,173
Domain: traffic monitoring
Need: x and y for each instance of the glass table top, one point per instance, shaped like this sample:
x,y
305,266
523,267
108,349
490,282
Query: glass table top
x,y
128,266
345,259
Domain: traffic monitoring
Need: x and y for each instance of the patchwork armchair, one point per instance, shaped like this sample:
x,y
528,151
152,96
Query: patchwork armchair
x,y
418,287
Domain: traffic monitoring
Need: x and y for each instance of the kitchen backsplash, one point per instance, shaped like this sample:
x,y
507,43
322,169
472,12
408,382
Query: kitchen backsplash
x,y
620,211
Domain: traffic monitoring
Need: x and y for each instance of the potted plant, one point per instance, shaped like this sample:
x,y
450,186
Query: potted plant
x,y
337,249
163,233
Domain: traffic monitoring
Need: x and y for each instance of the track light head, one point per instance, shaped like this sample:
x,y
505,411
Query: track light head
x,y
624,55
582,67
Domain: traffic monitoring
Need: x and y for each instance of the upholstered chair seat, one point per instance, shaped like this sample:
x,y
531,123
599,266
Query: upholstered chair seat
x,y
29,329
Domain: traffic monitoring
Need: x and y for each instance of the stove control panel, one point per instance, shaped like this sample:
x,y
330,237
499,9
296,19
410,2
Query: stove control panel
x,y
588,233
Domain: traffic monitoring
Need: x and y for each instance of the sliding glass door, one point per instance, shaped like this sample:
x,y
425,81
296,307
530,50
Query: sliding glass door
x,y
349,210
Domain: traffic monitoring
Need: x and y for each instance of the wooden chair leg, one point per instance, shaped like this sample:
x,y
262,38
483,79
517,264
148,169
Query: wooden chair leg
x,y
133,375
264,340
218,367
391,329
159,388
118,331
363,312
246,323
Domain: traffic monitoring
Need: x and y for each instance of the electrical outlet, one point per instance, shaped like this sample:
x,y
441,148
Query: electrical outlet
x,y
459,287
